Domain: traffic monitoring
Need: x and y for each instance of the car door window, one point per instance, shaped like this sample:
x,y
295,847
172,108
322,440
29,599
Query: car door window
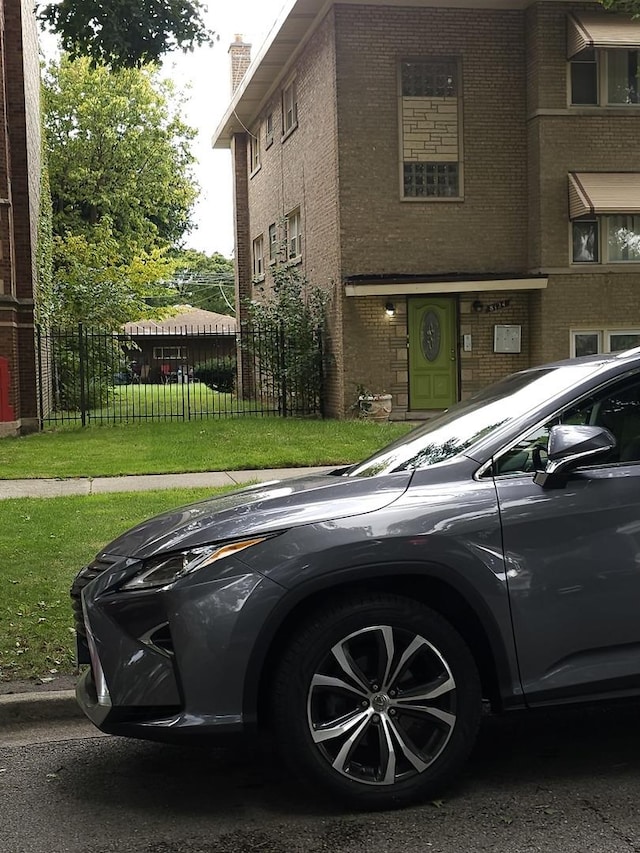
x,y
617,408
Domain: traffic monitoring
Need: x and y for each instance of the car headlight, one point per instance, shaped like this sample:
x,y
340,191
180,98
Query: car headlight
x,y
162,571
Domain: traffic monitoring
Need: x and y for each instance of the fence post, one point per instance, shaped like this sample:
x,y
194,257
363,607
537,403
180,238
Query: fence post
x,y
82,374
40,394
282,344
321,406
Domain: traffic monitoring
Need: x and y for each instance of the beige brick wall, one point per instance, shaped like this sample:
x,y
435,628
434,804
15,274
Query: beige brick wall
x,y
518,139
380,232
302,171
563,139
601,300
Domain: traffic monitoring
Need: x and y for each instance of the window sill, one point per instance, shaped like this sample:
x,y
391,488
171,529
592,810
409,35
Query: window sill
x,y
609,266
255,171
431,198
293,262
257,279
288,133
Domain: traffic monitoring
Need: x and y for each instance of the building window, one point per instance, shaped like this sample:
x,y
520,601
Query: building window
x,y
431,136
429,79
596,341
294,235
584,78
258,257
585,241
289,108
614,238
268,131
424,180
254,151
623,238
617,71
622,76
273,242
169,353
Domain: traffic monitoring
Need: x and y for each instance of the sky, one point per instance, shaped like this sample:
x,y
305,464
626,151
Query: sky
x,y
205,77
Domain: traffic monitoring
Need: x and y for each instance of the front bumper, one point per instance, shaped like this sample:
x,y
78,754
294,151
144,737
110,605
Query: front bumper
x,y
171,663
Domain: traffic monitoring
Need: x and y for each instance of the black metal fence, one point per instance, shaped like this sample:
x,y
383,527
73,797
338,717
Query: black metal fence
x,y
91,376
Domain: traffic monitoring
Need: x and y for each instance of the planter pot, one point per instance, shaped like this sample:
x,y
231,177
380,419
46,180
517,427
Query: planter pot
x,y
375,406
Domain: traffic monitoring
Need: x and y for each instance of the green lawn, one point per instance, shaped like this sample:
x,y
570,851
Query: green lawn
x,y
201,445
43,543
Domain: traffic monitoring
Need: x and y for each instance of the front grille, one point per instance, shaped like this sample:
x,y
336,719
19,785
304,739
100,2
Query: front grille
x,y
85,576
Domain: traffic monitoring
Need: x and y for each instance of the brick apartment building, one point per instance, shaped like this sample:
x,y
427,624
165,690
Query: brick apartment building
x,y
463,176
19,209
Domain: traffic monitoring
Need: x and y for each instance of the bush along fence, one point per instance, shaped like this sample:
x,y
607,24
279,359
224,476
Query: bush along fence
x,y
92,376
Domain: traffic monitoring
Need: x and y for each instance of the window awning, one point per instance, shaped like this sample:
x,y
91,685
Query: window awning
x,y
586,30
593,193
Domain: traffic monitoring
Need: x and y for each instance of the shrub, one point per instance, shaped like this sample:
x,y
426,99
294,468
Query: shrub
x,y
219,374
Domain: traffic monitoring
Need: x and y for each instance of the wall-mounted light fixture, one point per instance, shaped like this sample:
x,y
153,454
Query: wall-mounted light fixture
x,y
390,308
478,307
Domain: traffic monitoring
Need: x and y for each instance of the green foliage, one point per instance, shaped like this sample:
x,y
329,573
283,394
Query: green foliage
x,y
94,284
121,187
289,352
44,259
629,7
117,148
102,360
126,33
204,281
218,374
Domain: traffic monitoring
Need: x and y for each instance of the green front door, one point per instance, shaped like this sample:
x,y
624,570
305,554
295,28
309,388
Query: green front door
x,y
433,353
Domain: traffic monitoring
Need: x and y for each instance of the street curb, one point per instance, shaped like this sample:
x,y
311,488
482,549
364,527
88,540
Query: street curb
x,y
19,708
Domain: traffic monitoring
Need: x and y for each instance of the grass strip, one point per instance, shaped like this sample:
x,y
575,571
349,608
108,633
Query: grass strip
x,y
43,544
192,446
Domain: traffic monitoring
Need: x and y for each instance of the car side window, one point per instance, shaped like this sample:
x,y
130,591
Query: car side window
x,y
617,408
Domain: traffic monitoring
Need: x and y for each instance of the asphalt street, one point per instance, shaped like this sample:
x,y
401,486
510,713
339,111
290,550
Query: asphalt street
x,y
558,782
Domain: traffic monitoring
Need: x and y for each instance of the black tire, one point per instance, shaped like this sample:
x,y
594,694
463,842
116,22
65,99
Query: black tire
x,y
349,694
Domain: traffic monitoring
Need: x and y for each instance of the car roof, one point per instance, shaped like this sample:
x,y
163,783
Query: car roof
x,y
604,359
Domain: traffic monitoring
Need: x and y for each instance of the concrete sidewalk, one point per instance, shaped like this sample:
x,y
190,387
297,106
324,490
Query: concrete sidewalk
x,y
141,483
25,702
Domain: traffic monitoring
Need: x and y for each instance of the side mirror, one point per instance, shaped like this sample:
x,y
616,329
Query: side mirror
x,y
570,444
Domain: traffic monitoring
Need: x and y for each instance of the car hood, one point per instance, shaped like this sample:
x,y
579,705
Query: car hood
x,y
260,509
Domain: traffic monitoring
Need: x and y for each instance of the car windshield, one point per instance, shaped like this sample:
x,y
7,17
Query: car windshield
x,y
458,428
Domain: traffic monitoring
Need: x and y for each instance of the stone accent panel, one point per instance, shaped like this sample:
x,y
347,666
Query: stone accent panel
x,y
430,130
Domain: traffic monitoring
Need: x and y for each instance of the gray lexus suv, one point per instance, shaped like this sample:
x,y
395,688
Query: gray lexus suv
x,y
364,615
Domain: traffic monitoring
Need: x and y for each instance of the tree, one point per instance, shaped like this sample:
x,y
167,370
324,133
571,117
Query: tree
x,y
126,33
205,281
629,7
117,148
288,326
94,284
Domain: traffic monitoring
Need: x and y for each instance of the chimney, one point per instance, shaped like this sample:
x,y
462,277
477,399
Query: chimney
x,y
240,61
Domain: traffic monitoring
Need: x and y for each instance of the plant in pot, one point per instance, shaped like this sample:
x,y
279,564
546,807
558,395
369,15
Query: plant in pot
x,y
372,406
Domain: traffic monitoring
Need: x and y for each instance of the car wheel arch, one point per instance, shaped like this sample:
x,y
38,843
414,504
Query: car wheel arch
x,y
431,585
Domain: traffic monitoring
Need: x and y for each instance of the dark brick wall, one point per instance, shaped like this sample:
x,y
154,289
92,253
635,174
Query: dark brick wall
x,y
20,187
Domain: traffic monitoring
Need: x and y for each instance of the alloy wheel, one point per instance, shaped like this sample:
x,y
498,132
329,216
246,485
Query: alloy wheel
x,y
381,706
